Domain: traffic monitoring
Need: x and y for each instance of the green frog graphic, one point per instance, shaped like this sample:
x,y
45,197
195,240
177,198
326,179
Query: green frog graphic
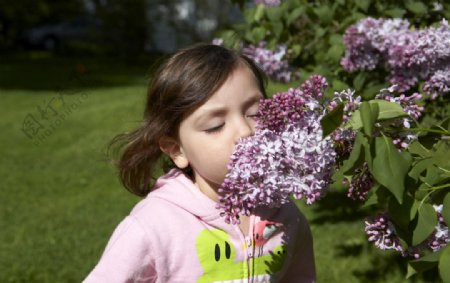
x,y
217,255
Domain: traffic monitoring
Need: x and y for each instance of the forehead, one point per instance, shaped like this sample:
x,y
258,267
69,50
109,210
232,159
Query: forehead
x,y
239,86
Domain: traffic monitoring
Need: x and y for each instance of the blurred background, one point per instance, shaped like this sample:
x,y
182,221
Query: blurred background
x,y
73,74
96,27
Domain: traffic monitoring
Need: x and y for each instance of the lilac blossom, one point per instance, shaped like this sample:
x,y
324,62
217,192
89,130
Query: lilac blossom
x,y
361,183
382,233
269,3
402,139
287,156
440,237
217,41
351,102
344,137
273,62
411,55
438,83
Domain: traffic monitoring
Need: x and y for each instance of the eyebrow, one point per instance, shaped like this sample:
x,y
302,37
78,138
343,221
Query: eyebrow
x,y
252,100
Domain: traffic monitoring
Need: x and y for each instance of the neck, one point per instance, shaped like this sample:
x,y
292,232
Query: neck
x,y
207,188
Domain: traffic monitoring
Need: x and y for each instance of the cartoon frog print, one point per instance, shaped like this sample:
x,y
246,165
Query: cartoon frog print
x,y
217,256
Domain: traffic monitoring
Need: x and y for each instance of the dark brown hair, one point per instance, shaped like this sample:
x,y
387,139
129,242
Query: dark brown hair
x,y
181,84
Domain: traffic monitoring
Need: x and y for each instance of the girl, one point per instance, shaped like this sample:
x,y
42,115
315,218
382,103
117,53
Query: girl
x,y
200,102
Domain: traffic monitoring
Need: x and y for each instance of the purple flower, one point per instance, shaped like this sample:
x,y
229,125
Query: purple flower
x,y
438,83
217,41
382,233
270,3
440,237
402,139
351,102
411,55
286,156
361,183
271,61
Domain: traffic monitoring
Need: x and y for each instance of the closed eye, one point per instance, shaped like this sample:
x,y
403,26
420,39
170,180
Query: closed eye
x,y
215,129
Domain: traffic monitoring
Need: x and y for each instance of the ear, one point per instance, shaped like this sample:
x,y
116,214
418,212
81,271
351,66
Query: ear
x,y
172,148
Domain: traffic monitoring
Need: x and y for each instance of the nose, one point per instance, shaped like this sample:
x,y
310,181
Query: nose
x,y
244,128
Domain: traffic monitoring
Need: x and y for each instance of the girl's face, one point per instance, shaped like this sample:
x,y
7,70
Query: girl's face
x,y
207,137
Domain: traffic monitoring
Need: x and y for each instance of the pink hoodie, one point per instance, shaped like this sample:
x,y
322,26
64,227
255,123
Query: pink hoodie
x,y
176,234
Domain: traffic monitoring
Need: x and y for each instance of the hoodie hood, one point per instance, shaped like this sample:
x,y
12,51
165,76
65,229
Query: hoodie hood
x,y
176,188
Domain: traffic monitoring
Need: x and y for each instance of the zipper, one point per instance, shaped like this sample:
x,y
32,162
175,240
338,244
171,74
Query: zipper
x,y
249,248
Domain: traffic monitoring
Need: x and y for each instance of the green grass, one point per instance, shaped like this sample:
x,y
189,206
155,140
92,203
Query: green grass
x,y
60,199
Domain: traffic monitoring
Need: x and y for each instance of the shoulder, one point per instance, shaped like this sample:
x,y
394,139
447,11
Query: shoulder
x,y
159,200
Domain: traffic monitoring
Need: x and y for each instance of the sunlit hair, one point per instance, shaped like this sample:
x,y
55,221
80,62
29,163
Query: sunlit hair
x,y
181,84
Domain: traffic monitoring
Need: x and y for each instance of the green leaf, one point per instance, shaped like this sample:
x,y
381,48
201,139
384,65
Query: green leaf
x,y
335,53
419,168
258,34
359,80
363,5
355,121
369,115
371,90
446,209
277,28
395,12
369,152
389,166
294,15
418,149
249,15
325,13
335,39
259,13
444,264
388,110
433,176
424,263
332,120
274,14
338,84
414,210
373,197
356,157
400,213
426,223
416,7
442,153
296,49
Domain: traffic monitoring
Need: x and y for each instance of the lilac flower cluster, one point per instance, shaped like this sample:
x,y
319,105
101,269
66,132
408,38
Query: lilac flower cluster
x,y
361,183
344,137
286,156
382,233
271,61
411,55
410,107
438,83
269,3
440,238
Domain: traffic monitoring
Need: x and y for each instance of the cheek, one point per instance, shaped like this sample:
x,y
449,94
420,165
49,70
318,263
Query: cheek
x,y
216,158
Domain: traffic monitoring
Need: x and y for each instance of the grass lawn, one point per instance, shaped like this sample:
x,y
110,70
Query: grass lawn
x,y
60,199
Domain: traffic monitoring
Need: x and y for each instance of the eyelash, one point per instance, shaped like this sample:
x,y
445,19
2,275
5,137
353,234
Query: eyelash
x,y
214,129
220,127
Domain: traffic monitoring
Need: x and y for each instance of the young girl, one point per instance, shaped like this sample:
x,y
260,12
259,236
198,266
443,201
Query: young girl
x,y
200,102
